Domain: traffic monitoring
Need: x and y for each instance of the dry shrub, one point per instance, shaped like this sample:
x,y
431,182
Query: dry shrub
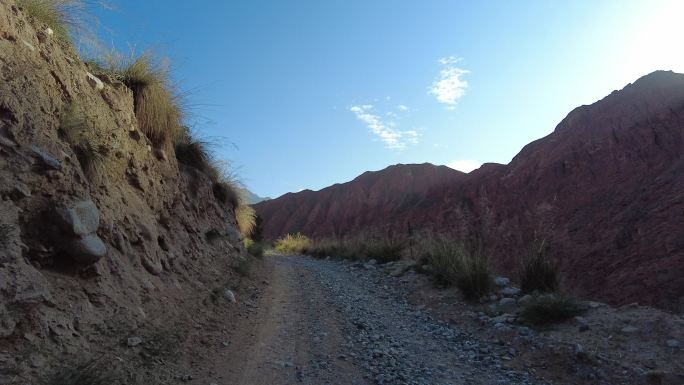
x,y
293,244
246,220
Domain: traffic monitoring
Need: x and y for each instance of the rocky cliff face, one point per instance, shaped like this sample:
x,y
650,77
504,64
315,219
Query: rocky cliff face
x,y
93,247
605,188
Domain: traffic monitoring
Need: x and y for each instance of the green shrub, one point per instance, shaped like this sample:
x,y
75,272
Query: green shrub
x,y
453,264
292,244
539,272
254,248
550,308
59,15
73,127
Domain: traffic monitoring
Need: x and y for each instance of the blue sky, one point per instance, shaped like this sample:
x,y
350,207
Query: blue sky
x,y
304,94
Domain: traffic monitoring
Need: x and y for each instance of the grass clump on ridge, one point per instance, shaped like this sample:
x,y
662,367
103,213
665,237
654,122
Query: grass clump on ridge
x,y
158,105
292,244
59,15
539,272
453,264
73,127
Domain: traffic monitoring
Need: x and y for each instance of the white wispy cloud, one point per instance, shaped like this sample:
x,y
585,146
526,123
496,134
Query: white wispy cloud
x,y
385,130
465,165
402,108
449,87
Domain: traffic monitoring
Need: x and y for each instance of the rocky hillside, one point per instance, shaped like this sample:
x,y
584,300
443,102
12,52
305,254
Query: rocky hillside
x,y
360,204
605,189
100,241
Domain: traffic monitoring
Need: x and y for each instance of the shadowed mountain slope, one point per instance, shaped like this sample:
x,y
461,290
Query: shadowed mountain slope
x,y
606,189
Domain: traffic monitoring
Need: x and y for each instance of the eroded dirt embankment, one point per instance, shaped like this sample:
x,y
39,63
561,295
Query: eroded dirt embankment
x,y
93,256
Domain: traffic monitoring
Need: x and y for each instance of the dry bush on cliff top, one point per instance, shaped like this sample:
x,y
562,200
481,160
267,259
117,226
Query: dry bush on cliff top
x,y
158,104
60,15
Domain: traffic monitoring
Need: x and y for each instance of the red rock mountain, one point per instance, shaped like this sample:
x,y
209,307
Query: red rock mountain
x,y
606,188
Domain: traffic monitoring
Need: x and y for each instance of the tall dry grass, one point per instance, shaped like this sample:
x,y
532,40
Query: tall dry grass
x,y
62,16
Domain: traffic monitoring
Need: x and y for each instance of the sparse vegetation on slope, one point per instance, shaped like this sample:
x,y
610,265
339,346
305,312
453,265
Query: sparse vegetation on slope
x,y
73,127
59,15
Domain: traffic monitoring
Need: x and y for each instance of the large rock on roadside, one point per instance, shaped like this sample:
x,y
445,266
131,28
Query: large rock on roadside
x,y
80,218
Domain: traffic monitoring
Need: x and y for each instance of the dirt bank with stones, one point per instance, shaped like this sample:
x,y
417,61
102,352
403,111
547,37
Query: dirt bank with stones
x,y
91,257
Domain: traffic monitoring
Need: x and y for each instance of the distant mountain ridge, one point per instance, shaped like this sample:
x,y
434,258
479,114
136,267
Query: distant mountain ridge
x,y
606,189
251,197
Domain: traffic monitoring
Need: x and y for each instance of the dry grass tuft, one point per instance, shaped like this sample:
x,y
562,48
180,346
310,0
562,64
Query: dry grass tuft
x,y
292,244
158,105
59,15
453,264
246,220
539,272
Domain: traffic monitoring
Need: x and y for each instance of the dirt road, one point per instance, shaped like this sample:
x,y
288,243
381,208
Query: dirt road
x,y
325,322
